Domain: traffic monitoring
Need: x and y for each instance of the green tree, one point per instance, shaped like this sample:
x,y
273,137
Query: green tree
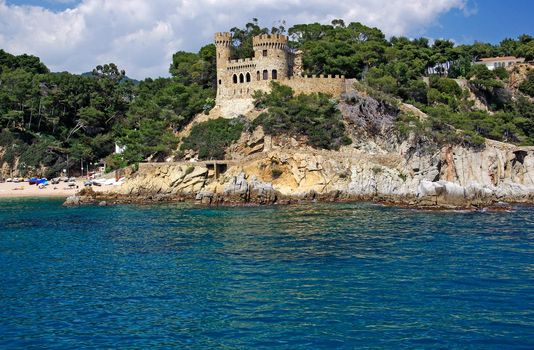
x,y
527,86
210,139
315,116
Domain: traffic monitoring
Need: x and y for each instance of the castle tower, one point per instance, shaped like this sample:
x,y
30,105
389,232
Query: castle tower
x,y
223,43
272,50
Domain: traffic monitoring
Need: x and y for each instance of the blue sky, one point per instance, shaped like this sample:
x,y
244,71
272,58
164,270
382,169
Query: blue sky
x,y
140,36
56,5
491,21
483,20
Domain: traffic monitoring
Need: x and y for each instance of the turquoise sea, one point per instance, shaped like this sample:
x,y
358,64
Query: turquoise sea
x,y
321,276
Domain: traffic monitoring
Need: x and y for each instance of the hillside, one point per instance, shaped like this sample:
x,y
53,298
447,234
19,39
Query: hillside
x,y
51,121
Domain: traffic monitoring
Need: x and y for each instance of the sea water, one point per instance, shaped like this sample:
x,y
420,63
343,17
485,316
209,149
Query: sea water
x,y
318,276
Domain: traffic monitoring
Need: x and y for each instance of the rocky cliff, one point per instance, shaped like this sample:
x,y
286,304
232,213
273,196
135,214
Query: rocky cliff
x,y
379,165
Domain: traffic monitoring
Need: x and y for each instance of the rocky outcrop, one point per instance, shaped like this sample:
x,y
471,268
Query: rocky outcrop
x,y
378,166
240,189
166,179
453,177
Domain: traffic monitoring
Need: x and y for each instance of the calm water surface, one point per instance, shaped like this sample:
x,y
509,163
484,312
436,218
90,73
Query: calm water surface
x,y
300,277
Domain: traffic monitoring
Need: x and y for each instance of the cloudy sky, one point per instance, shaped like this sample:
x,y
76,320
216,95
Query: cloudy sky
x,y
140,36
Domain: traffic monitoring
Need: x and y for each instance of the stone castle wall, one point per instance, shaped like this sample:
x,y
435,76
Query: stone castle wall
x,y
332,85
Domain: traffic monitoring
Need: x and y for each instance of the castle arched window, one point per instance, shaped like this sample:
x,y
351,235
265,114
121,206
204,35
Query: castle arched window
x,y
247,77
241,78
235,79
258,75
274,74
265,74
264,53
220,81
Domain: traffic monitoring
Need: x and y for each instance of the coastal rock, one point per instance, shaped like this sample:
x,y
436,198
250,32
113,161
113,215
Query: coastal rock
x,y
245,189
377,166
205,197
166,179
72,201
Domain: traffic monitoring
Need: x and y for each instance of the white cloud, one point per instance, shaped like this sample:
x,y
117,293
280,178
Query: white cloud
x,y
140,36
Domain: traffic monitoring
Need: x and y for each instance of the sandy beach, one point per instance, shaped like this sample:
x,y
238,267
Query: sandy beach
x,y
23,189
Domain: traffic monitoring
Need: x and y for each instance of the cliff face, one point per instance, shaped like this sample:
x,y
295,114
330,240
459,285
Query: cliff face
x,y
455,176
377,166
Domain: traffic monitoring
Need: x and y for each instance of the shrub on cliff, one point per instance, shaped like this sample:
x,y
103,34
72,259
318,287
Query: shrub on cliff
x,y
501,126
210,139
527,86
315,116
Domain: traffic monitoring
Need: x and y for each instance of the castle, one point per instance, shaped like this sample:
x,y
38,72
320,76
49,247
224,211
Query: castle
x,y
273,60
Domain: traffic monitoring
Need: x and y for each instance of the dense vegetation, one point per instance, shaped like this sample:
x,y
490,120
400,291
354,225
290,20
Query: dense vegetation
x,y
211,138
54,121
63,120
315,116
395,68
527,86
354,49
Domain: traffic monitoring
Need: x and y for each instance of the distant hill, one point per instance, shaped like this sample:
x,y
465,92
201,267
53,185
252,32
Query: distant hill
x,y
126,78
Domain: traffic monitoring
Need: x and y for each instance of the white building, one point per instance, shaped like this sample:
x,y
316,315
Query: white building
x,y
119,149
495,62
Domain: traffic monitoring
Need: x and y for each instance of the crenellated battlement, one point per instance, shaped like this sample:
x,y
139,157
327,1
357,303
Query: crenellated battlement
x,y
329,84
223,36
270,40
321,76
223,39
241,60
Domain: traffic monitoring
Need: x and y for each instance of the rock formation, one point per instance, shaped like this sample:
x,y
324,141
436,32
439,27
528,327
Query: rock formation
x,y
379,166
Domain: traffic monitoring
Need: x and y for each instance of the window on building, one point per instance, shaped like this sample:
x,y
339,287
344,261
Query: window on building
x,y
241,78
258,75
264,53
265,74
235,79
274,74
220,81
247,77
